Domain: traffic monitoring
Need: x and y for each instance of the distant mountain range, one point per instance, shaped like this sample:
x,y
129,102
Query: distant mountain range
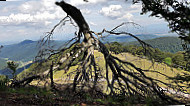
x,y
127,38
8,72
23,51
28,49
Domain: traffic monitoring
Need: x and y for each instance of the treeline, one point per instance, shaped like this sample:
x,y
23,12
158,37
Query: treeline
x,y
165,44
172,59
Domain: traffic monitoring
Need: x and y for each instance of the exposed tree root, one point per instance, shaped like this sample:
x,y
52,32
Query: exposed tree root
x,y
122,77
25,81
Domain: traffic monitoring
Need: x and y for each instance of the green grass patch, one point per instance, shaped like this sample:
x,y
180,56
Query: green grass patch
x,y
168,60
30,91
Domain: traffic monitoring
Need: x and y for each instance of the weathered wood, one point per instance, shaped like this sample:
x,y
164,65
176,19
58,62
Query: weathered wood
x,y
75,14
24,81
51,75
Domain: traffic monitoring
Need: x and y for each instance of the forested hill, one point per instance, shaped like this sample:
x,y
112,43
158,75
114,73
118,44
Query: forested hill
x,y
27,49
23,51
166,44
123,38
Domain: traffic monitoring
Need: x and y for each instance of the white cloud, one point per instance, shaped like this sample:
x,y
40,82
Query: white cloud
x,y
16,19
37,6
6,9
92,23
30,7
47,22
128,16
116,12
29,19
81,2
34,13
76,2
42,11
135,8
113,11
85,11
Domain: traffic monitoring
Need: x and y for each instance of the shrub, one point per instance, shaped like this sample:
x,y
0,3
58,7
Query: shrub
x,y
3,81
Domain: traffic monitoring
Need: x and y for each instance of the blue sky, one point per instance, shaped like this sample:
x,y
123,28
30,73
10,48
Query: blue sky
x,y
31,19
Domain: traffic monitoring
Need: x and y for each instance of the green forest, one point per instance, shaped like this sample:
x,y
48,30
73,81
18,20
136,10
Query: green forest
x,y
165,44
175,59
112,67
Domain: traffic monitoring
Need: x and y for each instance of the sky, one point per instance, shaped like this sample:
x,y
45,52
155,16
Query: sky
x,y
32,19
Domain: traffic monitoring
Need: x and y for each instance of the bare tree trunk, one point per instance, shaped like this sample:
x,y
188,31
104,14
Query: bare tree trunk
x,y
51,75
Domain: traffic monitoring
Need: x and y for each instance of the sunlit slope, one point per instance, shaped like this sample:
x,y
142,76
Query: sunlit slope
x,y
61,76
139,62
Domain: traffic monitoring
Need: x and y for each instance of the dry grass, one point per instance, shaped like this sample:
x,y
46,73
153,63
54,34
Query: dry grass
x,y
60,77
145,64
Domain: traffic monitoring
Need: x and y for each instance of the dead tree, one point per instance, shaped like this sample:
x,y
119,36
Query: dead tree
x,y
81,54
121,77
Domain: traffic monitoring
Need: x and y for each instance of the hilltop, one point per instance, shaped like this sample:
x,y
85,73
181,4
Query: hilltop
x,y
24,51
165,44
